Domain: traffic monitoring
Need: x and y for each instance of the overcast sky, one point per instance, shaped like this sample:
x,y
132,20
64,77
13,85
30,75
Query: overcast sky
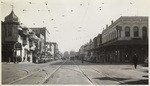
x,y
72,23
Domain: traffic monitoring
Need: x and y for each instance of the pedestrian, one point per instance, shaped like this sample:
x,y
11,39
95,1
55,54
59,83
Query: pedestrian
x,y
17,59
9,59
23,58
82,59
135,60
14,59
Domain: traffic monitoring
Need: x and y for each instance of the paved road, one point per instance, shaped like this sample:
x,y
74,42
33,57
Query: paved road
x,y
68,72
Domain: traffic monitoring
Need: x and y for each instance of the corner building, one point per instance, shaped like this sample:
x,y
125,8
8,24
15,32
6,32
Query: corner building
x,y
124,38
19,43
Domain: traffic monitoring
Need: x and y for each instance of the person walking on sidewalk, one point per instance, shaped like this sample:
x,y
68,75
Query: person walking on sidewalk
x,y
9,59
135,60
82,58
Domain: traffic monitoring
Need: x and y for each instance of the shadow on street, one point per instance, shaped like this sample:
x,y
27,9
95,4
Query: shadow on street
x,y
112,79
139,82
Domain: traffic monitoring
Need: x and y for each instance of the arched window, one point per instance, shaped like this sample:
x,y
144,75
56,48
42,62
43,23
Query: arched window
x,y
112,35
127,31
144,31
136,31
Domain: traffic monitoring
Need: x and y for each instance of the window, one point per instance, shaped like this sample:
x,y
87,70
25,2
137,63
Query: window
x,y
127,31
115,34
144,31
136,31
112,35
119,31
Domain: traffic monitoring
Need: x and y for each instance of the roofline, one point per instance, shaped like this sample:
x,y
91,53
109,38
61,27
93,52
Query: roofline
x,y
122,17
40,28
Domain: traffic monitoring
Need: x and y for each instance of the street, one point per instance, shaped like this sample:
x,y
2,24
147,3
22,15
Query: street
x,y
69,72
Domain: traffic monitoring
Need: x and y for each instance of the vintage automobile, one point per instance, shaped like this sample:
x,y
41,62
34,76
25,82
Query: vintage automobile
x,y
44,59
71,58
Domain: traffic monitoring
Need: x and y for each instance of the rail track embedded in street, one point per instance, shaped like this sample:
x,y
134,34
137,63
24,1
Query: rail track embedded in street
x,y
84,74
21,78
30,74
120,82
51,75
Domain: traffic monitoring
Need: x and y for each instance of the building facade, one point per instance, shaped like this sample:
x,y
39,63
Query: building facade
x,y
19,43
44,32
119,41
124,38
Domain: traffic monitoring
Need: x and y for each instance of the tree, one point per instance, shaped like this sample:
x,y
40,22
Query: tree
x,y
66,54
72,53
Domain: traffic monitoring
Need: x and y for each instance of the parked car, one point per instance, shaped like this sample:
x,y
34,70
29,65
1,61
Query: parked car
x,y
71,58
44,59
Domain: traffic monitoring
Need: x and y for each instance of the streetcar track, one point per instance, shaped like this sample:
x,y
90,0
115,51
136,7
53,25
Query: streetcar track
x,y
48,76
84,74
60,67
26,71
29,74
120,82
72,70
51,75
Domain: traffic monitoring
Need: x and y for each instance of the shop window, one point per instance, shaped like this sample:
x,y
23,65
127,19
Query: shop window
x,y
136,31
127,31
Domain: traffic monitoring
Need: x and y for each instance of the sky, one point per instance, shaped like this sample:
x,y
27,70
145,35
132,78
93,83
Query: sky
x,y
72,23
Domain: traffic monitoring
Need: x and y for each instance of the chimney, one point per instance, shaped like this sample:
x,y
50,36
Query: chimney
x,y
112,22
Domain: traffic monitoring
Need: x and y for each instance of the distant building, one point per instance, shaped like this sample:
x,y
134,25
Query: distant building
x,y
44,32
56,50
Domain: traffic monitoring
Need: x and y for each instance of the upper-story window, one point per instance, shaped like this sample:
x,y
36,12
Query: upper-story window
x,y
115,34
144,31
112,35
127,31
136,31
